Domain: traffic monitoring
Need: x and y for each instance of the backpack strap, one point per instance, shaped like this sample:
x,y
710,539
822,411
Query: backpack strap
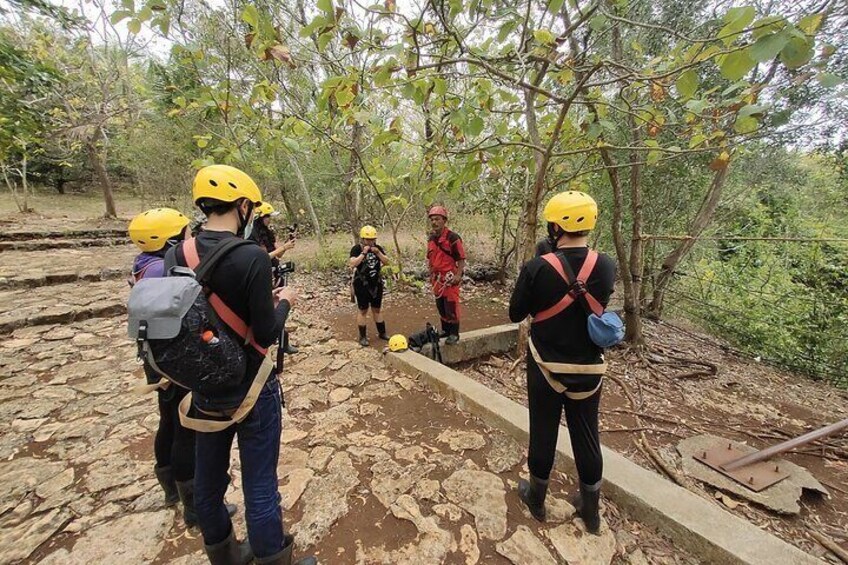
x,y
203,268
568,299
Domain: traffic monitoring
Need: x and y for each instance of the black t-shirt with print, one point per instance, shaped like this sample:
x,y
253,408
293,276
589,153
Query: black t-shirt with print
x,y
368,272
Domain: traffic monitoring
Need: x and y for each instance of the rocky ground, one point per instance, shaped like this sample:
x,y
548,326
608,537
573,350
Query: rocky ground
x,y
374,468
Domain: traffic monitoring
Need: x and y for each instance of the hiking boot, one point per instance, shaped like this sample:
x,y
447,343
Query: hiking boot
x,y
587,504
165,475
229,552
532,493
285,556
452,339
363,341
290,349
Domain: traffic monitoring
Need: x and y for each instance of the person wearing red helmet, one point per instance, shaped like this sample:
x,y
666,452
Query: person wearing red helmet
x,y
446,258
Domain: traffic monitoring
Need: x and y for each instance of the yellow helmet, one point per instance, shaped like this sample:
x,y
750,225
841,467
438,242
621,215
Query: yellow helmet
x,y
224,183
398,343
573,211
152,229
265,209
368,232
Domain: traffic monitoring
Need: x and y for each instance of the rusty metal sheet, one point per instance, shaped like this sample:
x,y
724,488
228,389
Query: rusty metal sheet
x,y
757,476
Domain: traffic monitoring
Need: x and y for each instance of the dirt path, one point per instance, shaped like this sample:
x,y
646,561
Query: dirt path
x,y
373,469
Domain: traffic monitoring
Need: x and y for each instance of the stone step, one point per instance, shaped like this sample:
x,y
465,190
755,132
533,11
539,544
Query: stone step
x,y
42,244
30,280
20,235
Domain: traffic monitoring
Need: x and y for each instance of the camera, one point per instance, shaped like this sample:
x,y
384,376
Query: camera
x,y
281,273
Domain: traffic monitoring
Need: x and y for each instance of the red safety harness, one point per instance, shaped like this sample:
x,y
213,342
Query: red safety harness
x,y
222,310
578,287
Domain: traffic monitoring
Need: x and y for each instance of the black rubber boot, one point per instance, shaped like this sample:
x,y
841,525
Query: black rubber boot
x,y
186,492
587,504
533,493
285,556
165,475
381,331
229,552
453,334
290,349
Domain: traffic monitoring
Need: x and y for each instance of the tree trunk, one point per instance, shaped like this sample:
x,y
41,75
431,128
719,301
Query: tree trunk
x,y
24,184
307,198
530,210
98,163
673,259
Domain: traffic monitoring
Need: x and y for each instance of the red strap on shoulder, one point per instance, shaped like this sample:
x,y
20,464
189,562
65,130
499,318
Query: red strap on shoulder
x,y
224,312
567,300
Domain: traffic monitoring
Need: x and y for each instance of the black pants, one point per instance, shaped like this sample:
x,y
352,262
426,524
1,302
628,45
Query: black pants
x,y
449,313
581,416
174,444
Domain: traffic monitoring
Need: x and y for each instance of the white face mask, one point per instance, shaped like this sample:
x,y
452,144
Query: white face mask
x,y
248,228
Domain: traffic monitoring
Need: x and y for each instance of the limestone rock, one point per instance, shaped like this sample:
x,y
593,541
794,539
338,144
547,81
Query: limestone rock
x,y
426,489
351,376
23,475
325,500
368,409
319,457
481,494
25,538
524,548
291,459
339,395
292,434
133,538
449,511
504,454
391,479
637,558
468,544
576,546
460,440
410,453
297,483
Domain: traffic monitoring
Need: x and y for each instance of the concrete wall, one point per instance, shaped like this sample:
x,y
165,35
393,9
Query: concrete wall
x,y
701,526
478,343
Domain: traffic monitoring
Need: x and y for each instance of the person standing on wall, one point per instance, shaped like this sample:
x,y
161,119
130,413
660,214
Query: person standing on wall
x,y
565,367
367,259
446,259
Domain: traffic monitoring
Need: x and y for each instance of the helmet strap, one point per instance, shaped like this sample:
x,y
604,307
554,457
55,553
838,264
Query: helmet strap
x,y
554,233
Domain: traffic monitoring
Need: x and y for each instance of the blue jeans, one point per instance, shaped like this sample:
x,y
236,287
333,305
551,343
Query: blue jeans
x,y
259,451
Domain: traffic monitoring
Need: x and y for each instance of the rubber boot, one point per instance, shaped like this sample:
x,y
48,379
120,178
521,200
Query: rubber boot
x,y
453,334
587,504
229,552
363,338
285,556
165,475
533,493
290,349
381,331
186,492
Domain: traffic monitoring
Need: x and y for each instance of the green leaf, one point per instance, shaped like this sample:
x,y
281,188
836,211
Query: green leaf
x,y
344,96
653,157
250,16
768,47
324,40
767,25
326,6
440,86
506,29
555,6
134,26
385,137
796,53
202,142
145,14
736,20
829,80
164,25
598,22
455,7
687,84
544,36
810,24
697,140
475,126
751,110
736,65
746,125
119,16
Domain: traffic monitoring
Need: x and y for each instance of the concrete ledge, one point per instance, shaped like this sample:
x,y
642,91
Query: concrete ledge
x,y
478,343
701,527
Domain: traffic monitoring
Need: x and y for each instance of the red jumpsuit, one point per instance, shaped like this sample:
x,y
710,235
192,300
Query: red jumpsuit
x,y
443,253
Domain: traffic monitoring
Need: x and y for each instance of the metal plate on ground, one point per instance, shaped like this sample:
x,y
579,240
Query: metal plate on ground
x,y
757,477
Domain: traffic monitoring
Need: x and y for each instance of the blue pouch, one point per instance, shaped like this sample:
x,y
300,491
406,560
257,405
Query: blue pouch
x,y
606,330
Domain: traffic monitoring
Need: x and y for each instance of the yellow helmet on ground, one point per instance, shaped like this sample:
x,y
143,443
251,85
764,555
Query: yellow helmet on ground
x,y
368,232
265,209
398,343
573,211
224,183
152,229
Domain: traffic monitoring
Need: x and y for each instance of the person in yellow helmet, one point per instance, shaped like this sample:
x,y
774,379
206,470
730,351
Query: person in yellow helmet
x,y
564,366
366,261
154,232
265,236
240,291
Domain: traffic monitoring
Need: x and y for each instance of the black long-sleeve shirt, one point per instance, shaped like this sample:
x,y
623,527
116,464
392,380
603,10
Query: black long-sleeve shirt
x,y
242,279
563,338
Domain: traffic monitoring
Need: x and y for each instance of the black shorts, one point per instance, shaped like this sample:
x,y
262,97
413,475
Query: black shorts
x,y
368,296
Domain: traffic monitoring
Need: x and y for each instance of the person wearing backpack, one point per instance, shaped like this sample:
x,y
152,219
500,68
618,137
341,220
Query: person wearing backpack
x,y
446,259
240,291
367,260
565,366
154,232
